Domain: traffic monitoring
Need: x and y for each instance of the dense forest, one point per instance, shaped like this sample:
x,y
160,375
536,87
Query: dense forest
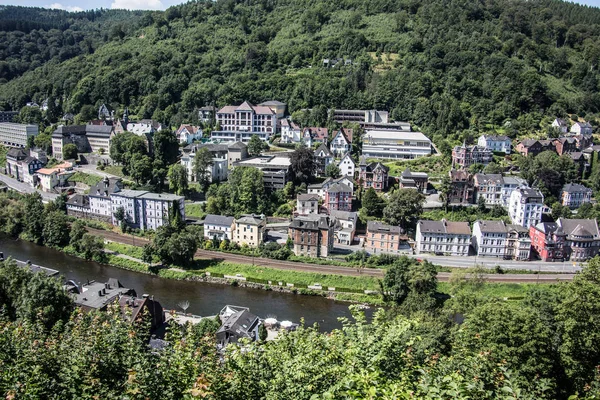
x,y
447,66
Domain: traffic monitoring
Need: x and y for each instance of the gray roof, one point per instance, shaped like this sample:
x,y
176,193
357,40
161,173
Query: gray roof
x,y
489,178
339,188
311,222
407,173
518,228
16,153
492,226
272,103
530,192
455,228
237,146
497,137
308,197
549,228
130,193
79,200
580,227
344,215
575,187
98,295
240,323
218,220
250,219
103,131
106,187
380,227
324,149
161,196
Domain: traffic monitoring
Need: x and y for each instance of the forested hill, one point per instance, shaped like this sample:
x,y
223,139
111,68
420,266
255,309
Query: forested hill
x,y
445,65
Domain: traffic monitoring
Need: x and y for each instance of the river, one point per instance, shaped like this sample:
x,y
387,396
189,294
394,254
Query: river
x,y
204,298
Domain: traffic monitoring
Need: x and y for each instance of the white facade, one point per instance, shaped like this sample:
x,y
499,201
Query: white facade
x,y
188,133
573,195
390,144
218,226
307,204
320,188
238,124
345,226
582,128
347,166
340,144
146,210
290,132
217,171
560,124
443,237
490,238
15,135
526,207
501,144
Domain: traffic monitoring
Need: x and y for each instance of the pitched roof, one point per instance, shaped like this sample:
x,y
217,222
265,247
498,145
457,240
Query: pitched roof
x,y
380,227
575,187
79,200
308,197
496,138
272,103
339,188
106,187
580,227
16,153
313,222
250,219
443,226
491,226
237,145
550,228
318,134
241,323
322,149
343,215
212,219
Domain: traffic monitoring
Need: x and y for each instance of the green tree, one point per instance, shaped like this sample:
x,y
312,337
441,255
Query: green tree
x,y
33,220
201,167
140,168
86,114
76,234
56,229
481,205
403,206
70,152
444,190
302,164
166,147
44,142
91,246
30,115
255,145
124,146
333,171
372,204
178,179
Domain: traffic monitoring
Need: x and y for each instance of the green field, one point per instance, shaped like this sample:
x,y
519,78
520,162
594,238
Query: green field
x,y
88,179
194,210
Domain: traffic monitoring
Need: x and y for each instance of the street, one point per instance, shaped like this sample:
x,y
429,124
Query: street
x,y
25,188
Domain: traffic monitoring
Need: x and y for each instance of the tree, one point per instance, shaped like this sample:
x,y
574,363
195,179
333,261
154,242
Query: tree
x,y
86,114
166,147
332,171
403,206
91,246
302,163
262,333
30,115
123,146
493,168
76,234
481,204
70,152
34,217
44,142
140,168
255,145
408,278
444,191
202,162
372,204
172,246
56,229
30,142
178,179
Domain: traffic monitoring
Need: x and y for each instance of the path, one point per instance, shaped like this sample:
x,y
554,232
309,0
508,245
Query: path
x,y
26,188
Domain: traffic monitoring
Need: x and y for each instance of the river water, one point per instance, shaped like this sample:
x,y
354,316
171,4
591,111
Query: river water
x,y
204,298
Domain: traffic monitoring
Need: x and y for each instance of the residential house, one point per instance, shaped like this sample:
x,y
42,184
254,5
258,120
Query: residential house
x,y
464,156
206,114
490,238
582,128
488,187
383,238
57,176
548,240
462,190
21,166
395,144
323,158
345,226
312,235
217,171
218,226
526,207
236,151
307,204
275,169
40,154
100,199
341,143
414,180
249,230
320,188
373,175
141,311
564,145
495,143
533,147
78,206
338,197
315,135
573,195
560,125
443,237
238,324
290,131
97,295
582,238
240,123
580,160
347,166
510,183
518,242
16,135
188,133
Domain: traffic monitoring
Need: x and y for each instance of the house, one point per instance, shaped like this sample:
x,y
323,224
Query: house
x,y
565,145
97,295
462,188
16,135
518,242
206,114
490,238
373,175
323,158
526,206
509,184
312,235
582,238
104,113
39,154
347,166
275,169
338,197
218,226
217,171
249,230
19,163
57,176
382,238
395,144
320,188
533,147
307,204
443,237
315,135
100,199
560,125
144,310
145,210
464,156
78,206
236,151
495,143
290,131
188,133
345,226
580,160
582,128
488,187
573,195
548,240
341,143
414,180
237,323
240,123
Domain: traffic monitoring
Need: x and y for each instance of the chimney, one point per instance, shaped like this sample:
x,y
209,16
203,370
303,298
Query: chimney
x,y
100,293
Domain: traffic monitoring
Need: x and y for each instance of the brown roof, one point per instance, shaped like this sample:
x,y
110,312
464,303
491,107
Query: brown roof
x,y
443,226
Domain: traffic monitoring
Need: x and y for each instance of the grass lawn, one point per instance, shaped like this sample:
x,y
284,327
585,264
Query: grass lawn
x,y
194,210
128,250
434,166
114,170
88,179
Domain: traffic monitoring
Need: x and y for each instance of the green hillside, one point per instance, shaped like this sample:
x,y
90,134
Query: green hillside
x,y
447,66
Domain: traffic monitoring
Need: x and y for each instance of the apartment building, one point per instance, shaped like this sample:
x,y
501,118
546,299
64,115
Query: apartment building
x,y
21,165
87,138
347,166
217,171
360,116
312,235
239,123
518,243
582,238
218,226
373,175
100,202
573,195
395,144
338,197
443,237
345,226
495,188
383,238
490,238
320,188
275,169
526,207
307,204
462,188
495,143
464,156
249,230
146,210
16,135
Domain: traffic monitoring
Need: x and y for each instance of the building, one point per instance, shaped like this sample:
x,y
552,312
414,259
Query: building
x,y
490,238
99,199
345,226
97,295
22,166
347,166
323,157
290,131
218,226
582,238
565,145
275,169
582,128
217,170
373,175
573,195
495,188
394,144
509,184
57,176
8,116
518,243
414,180
240,123
462,188
533,147
238,324
78,206
188,133
144,310
560,125
87,138
312,235
206,114
360,116
276,106
320,188
382,238
464,156
307,204
341,142
548,240
338,197
443,238
526,207
146,210
237,151
315,135
16,135
495,143
249,230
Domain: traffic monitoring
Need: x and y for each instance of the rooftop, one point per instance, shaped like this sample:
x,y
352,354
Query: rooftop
x,y
492,226
212,219
394,135
443,226
575,187
380,227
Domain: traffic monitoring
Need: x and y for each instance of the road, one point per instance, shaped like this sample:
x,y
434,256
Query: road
x,y
329,269
26,188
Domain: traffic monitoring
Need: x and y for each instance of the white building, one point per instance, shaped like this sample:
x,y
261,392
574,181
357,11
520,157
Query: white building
x,y
561,125
290,131
321,188
518,243
188,133
15,135
239,123
345,226
490,238
217,171
573,195
57,176
146,210
347,166
340,144
307,204
390,144
495,188
443,238
496,143
218,226
100,202
582,128
526,207
275,169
